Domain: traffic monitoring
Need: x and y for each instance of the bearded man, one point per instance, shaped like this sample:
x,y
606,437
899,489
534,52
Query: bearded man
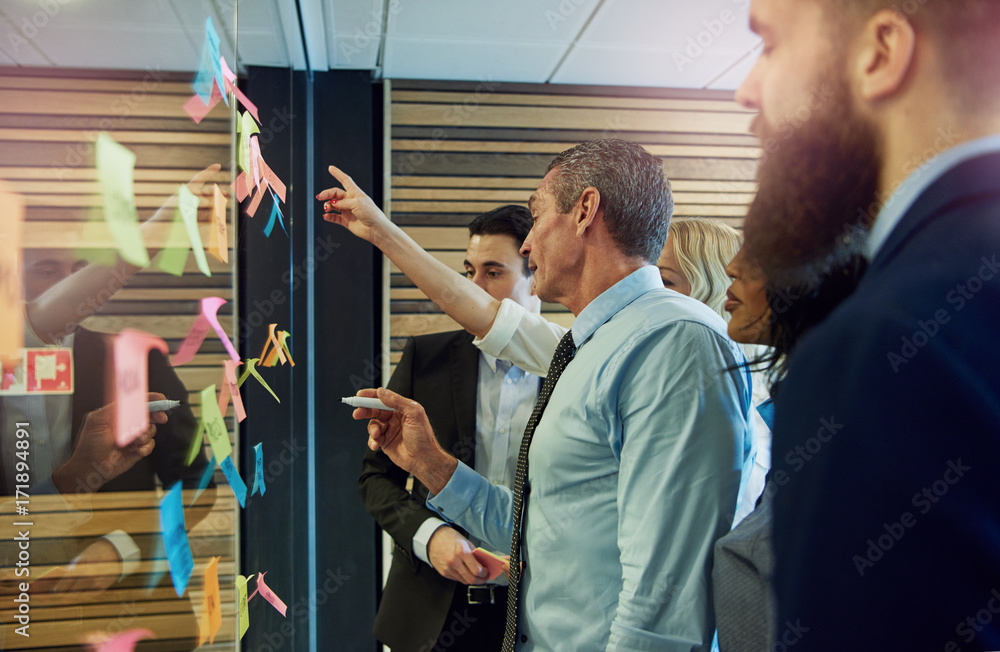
x,y
887,426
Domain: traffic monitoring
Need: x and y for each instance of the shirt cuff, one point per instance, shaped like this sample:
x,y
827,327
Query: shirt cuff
x,y
127,550
503,329
457,495
423,537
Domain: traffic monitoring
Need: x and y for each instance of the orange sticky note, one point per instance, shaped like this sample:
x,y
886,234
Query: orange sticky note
x,y
212,613
11,229
268,360
131,382
229,387
221,228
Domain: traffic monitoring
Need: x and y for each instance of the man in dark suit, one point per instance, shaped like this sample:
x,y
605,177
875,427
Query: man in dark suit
x,y
887,425
436,596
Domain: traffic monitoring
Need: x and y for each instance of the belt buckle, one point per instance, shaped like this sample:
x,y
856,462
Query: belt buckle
x,y
479,590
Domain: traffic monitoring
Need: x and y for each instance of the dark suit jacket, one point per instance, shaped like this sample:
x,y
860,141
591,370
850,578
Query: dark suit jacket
x,y
887,528
440,372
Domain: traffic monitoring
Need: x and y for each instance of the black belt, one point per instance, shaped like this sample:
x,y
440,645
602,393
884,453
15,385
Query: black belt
x,y
486,594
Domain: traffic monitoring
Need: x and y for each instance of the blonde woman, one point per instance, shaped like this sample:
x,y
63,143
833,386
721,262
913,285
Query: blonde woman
x,y
694,259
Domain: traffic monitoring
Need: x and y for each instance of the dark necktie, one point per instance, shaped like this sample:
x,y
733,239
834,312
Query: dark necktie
x,y
564,353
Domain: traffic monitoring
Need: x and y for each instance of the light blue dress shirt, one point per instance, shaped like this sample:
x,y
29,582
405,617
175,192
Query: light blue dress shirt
x,y
633,474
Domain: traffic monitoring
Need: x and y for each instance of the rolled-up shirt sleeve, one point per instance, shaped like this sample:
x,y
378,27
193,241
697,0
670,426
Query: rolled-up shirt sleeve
x,y
525,338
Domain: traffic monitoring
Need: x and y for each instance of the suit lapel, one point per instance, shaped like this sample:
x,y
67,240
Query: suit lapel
x,y
464,382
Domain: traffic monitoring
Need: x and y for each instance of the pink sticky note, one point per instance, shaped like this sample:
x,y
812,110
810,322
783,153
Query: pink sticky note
x,y
242,186
272,179
255,202
131,382
229,387
209,317
230,78
198,109
269,595
254,156
126,641
494,565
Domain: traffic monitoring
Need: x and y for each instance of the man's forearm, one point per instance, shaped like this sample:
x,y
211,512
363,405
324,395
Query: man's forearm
x,y
436,473
461,299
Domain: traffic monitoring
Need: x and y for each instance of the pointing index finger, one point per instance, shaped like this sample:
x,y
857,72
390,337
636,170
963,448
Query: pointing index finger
x,y
343,178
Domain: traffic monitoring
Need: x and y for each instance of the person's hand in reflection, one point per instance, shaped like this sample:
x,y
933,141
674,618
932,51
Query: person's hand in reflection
x,y
406,436
84,573
97,459
352,209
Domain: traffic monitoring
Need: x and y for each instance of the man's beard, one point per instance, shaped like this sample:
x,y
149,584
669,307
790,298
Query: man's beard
x,y
815,187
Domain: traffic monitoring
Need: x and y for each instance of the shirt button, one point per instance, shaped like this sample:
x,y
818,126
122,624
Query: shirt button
x,y
503,430
508,381
524,638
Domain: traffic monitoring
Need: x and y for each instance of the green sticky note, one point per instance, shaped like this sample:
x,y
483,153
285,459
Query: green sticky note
x,y
115,170
246,128
215,427
242,612
188,208
251,369
174,255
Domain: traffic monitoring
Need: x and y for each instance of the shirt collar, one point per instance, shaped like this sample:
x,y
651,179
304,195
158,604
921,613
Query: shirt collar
x,y
490,361
919,180
612,300
505,367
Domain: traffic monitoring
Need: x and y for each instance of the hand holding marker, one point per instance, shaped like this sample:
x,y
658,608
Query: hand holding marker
x,y
163,406
361,402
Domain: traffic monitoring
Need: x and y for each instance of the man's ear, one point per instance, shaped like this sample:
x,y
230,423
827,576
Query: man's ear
x,y
886,50
586,209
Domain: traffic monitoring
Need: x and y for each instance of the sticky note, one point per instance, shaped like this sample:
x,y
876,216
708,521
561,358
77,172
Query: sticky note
x,y
221,247
230,78
272,179
173,257
268,360
210,65
213,425
493,564
115,178
242,186
246,128
251,369
175,539
242,608
258,474
130,355
188,207
275,216
212,600
254,158
205,478
11,230
229,387
235,481
209,317
255,202
269,595
197,109
126,641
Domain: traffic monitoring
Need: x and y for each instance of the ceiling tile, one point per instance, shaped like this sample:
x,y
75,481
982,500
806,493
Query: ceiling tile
x,y
469,60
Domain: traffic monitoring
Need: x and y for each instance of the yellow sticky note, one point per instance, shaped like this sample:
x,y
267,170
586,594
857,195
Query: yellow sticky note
x,y
215,427
213,608
242,608
115,170
11,228
221,231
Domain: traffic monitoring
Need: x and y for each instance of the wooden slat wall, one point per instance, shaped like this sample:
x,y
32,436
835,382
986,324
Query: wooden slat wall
x,y
459,149
48,124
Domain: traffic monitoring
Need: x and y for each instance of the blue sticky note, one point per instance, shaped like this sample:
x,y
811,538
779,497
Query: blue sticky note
x,y
210,66
235,481
212,39
275,215
258,476
206,477
175,538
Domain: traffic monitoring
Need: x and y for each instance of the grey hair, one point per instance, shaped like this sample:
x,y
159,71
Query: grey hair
x,y
634,191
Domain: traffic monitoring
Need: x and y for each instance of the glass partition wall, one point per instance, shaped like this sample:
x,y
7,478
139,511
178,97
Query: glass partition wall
x,y
117,223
